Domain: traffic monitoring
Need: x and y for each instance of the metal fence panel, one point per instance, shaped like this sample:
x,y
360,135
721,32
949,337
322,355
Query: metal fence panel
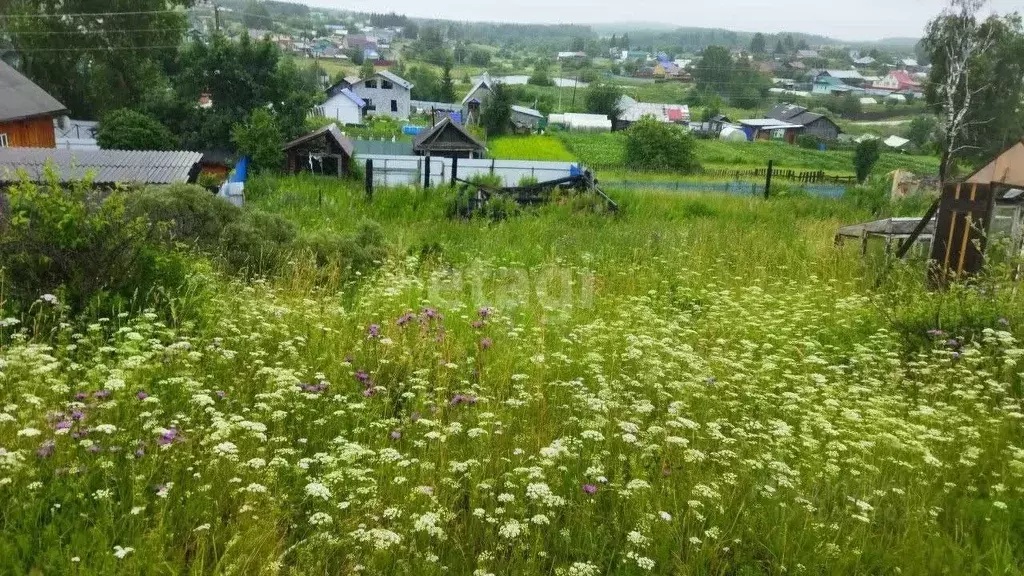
x,y
408,170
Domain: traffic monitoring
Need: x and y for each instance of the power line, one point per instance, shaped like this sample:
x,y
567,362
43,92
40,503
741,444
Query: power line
x,y
90,14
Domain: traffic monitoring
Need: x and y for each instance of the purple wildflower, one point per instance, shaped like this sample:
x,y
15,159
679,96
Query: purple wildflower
x,y
63,425
953,343
94,449
1004,322
369,391
101,394
141,395
462,399
477,324
81,396
404,319
486,343
362,376
168,437
374,330
396,434
590,488
221,394
484,312
431,313
46,449
936,333
140,452
77,415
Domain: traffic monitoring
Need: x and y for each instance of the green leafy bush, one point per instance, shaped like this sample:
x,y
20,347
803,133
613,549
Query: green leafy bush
x,y
257,242
260,138
653,145
184,213
126,129
864,158
79,245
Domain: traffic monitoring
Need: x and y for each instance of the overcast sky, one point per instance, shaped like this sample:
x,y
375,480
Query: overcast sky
x,y
847,20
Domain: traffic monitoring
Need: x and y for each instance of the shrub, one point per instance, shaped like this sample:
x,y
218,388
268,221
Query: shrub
x,y
183,213
808,141
653,145
260,138
126,129
85,248
257,242
864,158
497,113
358,253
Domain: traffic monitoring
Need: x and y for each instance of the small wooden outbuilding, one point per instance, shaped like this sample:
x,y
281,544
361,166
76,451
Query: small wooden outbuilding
x,y
449,140
326,151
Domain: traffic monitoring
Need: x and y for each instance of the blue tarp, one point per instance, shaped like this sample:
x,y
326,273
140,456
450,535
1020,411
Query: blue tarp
x,y
412,130
241,171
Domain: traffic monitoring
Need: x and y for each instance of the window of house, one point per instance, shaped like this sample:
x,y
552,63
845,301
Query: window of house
x,y
369,104
394,105
3,140
386,84
371,83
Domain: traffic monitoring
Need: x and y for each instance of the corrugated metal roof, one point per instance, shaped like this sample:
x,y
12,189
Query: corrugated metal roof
x,y
20,98
527,111
103,166
352,96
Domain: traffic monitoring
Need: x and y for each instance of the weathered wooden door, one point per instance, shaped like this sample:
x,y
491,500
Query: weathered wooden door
x,y
961,232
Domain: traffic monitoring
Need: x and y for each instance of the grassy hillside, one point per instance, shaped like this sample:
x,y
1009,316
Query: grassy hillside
x,y
696,385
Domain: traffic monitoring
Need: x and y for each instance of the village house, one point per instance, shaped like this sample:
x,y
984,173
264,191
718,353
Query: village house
x,y
898,81
385,94
473,103
571,55
811,123
342,105
631,111
27,112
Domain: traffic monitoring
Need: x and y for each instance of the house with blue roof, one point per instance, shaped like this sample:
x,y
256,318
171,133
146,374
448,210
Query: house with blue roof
x,y
343,106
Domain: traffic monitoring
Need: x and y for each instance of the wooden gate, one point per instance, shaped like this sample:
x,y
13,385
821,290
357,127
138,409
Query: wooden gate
x,y
961,232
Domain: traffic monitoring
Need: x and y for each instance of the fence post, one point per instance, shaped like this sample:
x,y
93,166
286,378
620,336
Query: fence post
x,y
426,171
369,180
492,166
768,181
455,169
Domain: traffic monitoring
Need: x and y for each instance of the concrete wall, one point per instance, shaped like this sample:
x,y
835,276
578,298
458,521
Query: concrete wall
x,y
381,98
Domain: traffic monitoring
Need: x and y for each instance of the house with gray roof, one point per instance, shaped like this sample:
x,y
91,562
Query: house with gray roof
x,y
385,94
813,124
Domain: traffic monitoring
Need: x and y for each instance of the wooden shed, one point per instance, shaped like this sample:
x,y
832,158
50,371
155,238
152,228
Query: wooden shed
x,y
326,151
27,112
449,140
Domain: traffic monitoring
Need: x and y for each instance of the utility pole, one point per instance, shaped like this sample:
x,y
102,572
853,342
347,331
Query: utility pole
x,y
216,16
574,83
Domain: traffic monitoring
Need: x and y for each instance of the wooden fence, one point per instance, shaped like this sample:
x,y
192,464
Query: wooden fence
x,y
804,177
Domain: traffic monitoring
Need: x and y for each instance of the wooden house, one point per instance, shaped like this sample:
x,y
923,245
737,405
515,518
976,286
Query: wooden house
x,y
449,140
27,112
325,151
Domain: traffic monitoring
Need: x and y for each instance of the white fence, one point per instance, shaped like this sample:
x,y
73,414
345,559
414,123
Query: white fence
x,y
409,170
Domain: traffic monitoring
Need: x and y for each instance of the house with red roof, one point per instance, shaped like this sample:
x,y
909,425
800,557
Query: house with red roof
x,y
898,81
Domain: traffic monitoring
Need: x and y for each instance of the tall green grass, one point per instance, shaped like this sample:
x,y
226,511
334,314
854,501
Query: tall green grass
x,y
697,384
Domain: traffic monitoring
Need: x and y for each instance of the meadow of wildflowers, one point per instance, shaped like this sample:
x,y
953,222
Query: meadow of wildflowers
x,y
694,387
